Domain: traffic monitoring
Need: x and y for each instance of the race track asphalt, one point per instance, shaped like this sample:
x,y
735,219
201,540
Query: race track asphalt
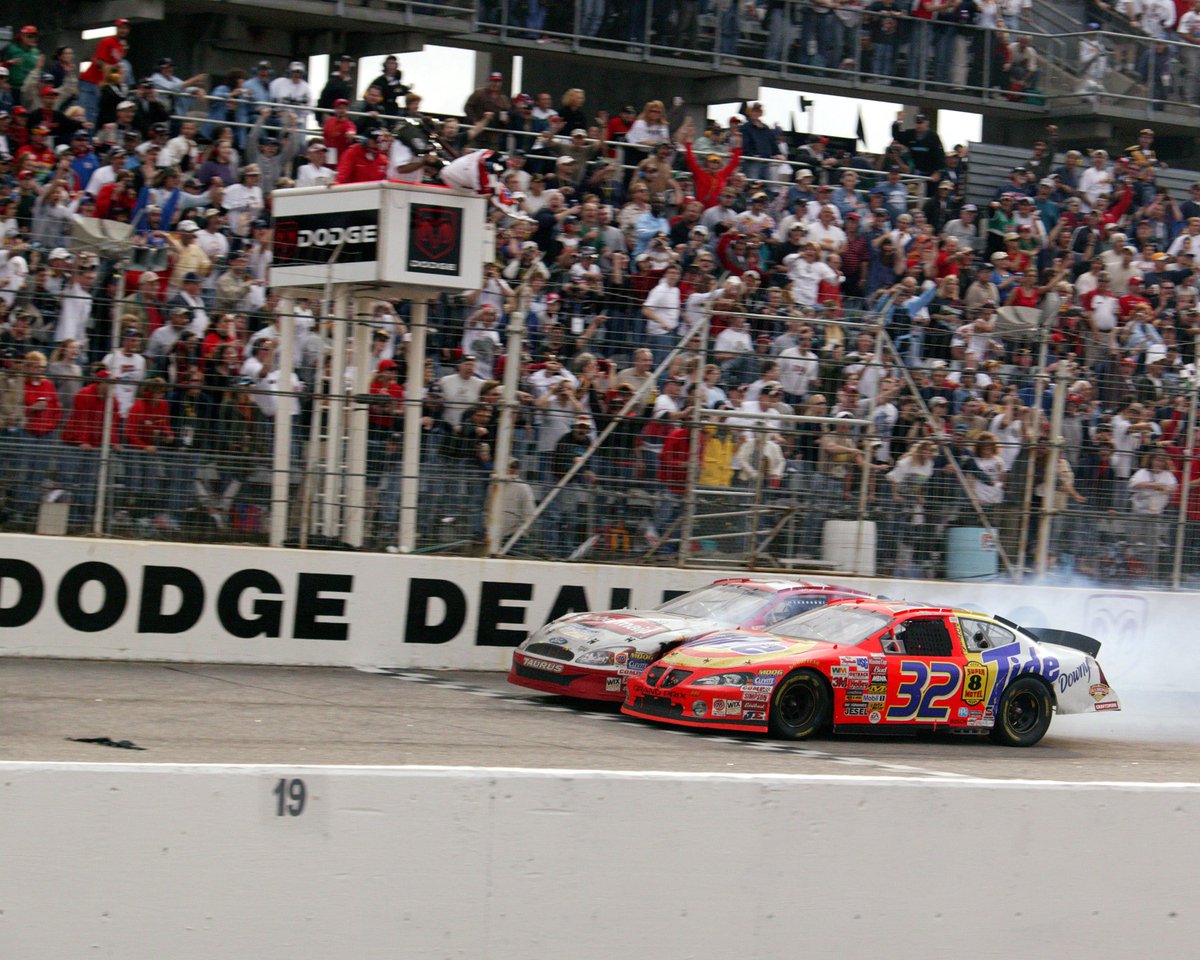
x,y
182,713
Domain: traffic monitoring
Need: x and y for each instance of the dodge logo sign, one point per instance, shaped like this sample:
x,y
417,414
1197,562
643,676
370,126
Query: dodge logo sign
x,y
434,239
313,238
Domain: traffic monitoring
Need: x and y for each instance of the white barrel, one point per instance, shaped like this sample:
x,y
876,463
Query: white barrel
x,y
850,545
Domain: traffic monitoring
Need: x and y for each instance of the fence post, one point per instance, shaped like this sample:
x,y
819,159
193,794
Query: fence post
x,y
694,446
414,396
106,435
355,509
281,464
1050,476
1186,473
335,417
504,432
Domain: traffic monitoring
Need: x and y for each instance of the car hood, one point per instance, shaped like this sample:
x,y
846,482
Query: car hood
x,y
725,649
644,630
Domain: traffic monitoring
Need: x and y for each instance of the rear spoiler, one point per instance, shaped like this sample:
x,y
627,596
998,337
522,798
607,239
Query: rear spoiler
x,y
1064,638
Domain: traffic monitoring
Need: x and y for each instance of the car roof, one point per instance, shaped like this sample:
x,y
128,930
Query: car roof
x,y
790,583
895,608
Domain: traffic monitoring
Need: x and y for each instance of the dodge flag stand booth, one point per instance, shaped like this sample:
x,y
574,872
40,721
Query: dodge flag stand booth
x,y
352,247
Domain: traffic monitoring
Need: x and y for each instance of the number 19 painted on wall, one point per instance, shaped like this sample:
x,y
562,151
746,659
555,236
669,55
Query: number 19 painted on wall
x,y
290,797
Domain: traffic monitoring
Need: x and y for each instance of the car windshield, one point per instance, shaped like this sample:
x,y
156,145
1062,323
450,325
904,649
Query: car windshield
x,y
724,603
835,624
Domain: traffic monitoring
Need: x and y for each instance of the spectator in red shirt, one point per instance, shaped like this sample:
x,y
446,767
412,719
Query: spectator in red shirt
x,y
42,415
37,148
365,162
339,131
146,431
82,436
110,51
148,425
712,177
1133,298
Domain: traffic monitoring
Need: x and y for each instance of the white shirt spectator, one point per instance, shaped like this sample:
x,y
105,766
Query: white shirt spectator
x,y
730,340
100,179
13,274
1105,309
1152,502
797,369
244,204
542,380
75,316
127,370
295,93
458,393
1126,444
664,301
819,233
1009,438
216,245
1093,183
268,393
311,175
1158,18
806,276
175,150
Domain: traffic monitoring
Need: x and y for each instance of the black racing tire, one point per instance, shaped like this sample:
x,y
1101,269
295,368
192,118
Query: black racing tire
x,y
1023,718
801,706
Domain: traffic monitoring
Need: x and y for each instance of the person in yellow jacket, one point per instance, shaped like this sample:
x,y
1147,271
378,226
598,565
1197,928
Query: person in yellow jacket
x,y
716,455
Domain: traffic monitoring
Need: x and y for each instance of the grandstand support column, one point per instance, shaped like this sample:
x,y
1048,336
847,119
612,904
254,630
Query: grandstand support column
x,y
695,429
1035,431
355,510
1062,374
335,416
414,396
281,465
103,475
1186,472
504,433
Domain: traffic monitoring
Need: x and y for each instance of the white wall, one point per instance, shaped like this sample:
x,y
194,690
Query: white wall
x,y
313,607
193,862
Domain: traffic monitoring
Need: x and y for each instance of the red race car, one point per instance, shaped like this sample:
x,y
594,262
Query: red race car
x,y
591,655
877,666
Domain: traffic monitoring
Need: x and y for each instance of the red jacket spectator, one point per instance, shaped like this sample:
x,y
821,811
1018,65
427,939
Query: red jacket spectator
x,y
362,165
1118,209
43,412
114,197
109,52
384,415
339,133
709,184
85,425
148,423
1132,299
673,462
1185,465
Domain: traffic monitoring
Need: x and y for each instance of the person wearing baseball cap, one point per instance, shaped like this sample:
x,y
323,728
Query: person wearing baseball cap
x,y
21,56
171,88
109,52
392,85
922,141
491,101
340,85
293,89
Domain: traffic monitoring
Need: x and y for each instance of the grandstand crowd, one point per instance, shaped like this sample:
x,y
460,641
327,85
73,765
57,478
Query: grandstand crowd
x,y
661,264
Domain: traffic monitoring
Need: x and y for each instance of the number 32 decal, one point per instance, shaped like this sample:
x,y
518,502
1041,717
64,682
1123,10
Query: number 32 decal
x,y
924,690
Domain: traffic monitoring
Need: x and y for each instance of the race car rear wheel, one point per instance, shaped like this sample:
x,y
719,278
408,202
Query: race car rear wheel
x,y
800,706
1024,715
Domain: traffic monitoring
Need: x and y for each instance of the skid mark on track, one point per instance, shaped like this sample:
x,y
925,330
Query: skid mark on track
x,y
767,746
